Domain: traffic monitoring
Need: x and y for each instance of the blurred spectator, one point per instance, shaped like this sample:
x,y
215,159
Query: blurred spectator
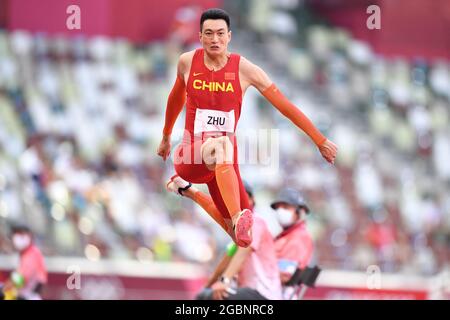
x,y
28,280
247,273
185,25
294,245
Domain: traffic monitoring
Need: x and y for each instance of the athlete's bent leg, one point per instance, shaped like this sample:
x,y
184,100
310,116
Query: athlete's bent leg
x,y
177,185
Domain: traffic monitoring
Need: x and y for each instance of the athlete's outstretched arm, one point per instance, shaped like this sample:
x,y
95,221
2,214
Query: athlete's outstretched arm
x,y
175,103
256,77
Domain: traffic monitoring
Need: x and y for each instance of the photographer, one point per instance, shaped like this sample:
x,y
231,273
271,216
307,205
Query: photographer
x,y
294,245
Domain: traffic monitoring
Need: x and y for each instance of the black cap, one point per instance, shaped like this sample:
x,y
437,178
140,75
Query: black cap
x,y
292,197
18,228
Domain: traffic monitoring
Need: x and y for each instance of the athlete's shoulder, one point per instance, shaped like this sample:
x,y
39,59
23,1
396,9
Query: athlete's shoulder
x,y
184,61
254,74
245,63
186,57
247,67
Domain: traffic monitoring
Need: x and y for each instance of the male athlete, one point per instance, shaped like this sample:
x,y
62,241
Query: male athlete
x,y
212,82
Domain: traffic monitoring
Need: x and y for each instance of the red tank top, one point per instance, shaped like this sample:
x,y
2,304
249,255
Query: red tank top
x,y
214,99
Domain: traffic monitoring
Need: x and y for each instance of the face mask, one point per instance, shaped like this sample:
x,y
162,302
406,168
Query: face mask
x,y
285,217
21,242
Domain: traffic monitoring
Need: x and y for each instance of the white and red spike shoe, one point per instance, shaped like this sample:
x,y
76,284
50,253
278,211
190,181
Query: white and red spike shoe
x,y
177,185
243,228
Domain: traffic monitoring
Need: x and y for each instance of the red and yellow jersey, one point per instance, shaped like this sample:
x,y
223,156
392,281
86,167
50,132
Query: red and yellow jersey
x,y
214,98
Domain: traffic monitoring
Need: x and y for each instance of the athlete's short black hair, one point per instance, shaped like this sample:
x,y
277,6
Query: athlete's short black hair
x,y
215,14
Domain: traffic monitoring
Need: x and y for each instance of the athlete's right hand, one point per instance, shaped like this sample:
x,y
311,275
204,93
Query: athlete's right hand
x,y
164,147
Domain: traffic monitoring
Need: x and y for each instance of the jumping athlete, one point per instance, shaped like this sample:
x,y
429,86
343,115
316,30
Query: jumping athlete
x,y
212,82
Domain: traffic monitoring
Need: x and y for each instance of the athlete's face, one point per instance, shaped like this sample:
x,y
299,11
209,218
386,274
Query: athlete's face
x,y
215,36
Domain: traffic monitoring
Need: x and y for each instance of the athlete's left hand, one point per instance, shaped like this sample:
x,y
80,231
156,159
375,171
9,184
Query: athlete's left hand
x,y
164,147
328,150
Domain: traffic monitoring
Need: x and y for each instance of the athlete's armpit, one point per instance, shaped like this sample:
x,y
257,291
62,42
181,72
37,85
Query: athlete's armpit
x,y
294,114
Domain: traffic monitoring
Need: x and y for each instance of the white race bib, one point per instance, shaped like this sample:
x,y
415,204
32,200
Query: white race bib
x,y
207,120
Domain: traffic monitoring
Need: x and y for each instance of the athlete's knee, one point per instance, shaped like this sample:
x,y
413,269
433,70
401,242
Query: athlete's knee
x,y
224,150
217,150
208,151
226,143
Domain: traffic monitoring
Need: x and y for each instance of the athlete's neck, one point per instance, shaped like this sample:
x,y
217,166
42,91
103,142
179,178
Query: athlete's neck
x,y
216,62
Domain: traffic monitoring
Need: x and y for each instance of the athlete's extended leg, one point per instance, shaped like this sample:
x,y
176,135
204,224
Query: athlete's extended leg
x,y
241,229
219,155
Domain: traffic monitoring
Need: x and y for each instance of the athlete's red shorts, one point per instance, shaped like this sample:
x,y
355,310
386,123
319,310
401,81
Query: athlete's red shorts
x,y
190,166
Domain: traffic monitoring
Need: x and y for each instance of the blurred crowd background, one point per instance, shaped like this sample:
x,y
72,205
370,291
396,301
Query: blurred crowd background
x,y
81,119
